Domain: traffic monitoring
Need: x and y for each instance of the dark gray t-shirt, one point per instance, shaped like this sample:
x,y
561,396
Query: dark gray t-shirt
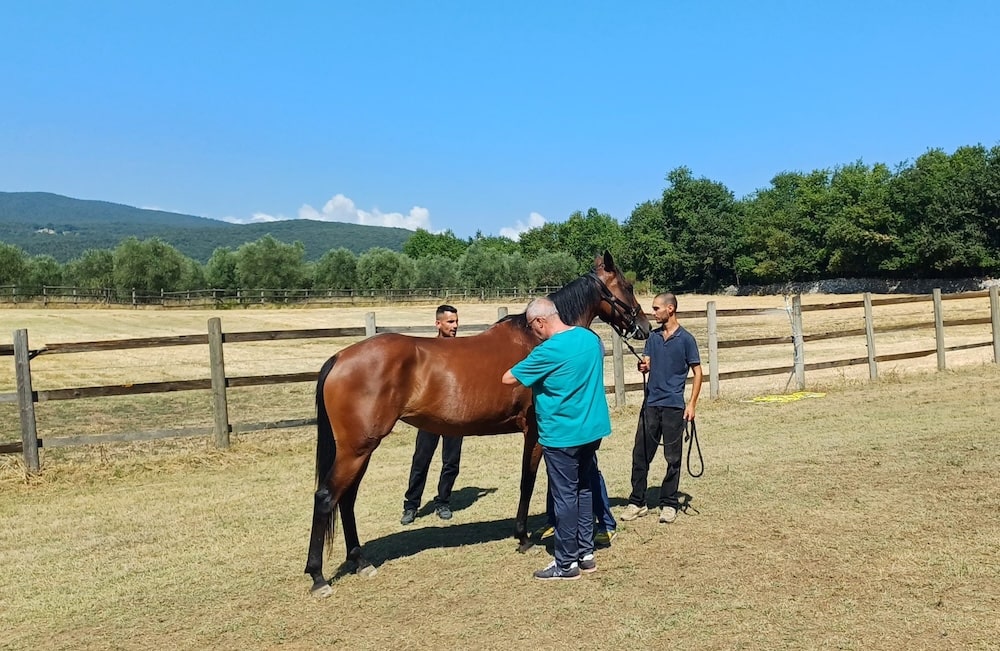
x,y
669,362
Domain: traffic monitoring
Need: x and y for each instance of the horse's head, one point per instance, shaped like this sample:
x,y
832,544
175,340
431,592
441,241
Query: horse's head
x,y
619,309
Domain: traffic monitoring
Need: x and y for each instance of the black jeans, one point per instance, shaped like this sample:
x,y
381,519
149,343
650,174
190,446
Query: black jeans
x,y
451,454
655,423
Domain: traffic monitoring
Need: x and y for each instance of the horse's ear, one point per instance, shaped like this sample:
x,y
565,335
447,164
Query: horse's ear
x,y
609,262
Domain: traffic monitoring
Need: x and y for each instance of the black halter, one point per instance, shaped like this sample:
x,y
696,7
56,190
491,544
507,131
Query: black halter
x,y
620,309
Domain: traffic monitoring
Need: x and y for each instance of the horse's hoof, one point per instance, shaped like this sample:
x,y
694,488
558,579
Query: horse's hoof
x,y
322,592
525,547
367,571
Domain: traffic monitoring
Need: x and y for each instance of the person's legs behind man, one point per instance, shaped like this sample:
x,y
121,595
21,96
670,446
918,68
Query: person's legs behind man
x,y
451,456
423,452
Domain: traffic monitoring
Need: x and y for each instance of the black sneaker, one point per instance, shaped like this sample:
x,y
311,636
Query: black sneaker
x,y
553,573
587,564
409,515
443,511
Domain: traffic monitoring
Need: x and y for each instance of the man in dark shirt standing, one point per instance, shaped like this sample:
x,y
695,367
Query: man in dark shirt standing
x,y
446,320
670,353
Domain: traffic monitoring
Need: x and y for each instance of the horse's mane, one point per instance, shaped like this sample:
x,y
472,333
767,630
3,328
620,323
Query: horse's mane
x,y
575,298
572,301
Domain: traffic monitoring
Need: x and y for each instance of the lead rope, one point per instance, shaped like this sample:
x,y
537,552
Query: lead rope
x,y
691,438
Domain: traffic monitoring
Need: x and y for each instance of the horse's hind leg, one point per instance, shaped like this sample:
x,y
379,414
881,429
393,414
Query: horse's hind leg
x,y
339,490
353,543
322,512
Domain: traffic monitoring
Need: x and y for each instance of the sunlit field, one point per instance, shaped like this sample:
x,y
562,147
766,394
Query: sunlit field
x,y
865,518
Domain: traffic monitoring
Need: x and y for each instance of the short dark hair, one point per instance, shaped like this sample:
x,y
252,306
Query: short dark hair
x,y
444,308
668,297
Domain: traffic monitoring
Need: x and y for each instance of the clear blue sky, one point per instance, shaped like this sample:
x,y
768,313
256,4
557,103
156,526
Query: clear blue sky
x,y
469,115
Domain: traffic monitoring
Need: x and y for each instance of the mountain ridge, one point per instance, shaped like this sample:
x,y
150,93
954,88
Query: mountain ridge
x,y
45,223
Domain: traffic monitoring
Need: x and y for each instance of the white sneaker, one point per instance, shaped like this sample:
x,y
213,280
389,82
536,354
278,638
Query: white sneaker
x,y
632,512
667,514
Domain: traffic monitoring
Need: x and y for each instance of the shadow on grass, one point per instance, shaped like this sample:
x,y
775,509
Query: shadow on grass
x,y
460,500
435,533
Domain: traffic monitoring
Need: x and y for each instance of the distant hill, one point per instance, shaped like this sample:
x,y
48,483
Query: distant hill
x,y
44,223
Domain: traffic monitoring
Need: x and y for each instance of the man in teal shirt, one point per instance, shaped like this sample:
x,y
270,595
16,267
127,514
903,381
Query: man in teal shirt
x,y
566,376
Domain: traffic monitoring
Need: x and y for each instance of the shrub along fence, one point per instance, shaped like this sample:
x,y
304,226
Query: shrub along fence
x,y
58,296
219,383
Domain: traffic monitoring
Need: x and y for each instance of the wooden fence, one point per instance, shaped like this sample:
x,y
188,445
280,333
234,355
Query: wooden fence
x,y
218,382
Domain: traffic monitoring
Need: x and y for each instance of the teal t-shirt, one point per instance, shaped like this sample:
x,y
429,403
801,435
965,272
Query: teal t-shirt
x,y
566,376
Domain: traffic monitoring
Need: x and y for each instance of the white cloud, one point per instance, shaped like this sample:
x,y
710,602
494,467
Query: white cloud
x,y
343,209
258,218
534,221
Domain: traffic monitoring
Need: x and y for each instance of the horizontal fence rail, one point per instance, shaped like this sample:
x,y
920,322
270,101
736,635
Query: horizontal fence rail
x,y
26,396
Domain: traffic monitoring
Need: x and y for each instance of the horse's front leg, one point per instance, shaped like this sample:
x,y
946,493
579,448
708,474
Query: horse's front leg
x,y
529,470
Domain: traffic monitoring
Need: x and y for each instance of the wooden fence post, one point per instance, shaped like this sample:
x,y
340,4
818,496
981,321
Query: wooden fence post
x,y
939,329
501,312
995,321
870,337
370,329
218,370
618,363
25,401
797,349
713,350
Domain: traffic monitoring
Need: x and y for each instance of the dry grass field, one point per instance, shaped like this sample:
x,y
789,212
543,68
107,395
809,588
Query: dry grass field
x,y
868,518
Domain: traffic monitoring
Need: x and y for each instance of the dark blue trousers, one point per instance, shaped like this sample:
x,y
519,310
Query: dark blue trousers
x,y
602,505
572,500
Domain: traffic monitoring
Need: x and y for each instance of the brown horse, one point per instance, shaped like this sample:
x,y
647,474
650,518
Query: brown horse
x,y
448,386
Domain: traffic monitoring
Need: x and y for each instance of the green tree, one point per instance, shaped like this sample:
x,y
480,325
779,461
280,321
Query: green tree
x,y
543,239
495,243
515,272
702,226
586,236
43,270
192,276
990,200
220,270
380,268
646,248
783,235
148,266
864,232
270,264
436,271
94,269
940,199
13,264
552,270
482,266
423,243
337,269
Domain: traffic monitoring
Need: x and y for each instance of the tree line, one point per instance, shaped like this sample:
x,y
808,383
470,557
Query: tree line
x,y
937,217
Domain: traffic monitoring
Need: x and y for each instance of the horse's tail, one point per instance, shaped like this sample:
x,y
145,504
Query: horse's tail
x,y
326,445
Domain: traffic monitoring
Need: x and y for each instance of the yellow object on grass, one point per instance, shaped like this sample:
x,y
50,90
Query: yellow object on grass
x,y
786,397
